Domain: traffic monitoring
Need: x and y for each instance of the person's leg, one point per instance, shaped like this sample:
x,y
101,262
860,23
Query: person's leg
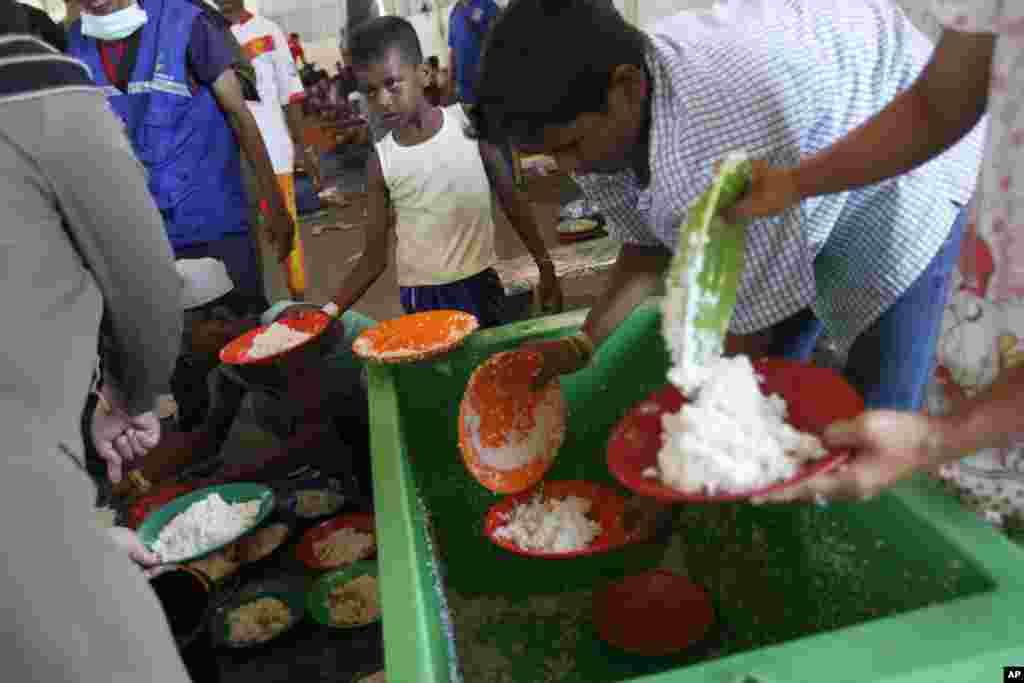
x,y
893,360
294,268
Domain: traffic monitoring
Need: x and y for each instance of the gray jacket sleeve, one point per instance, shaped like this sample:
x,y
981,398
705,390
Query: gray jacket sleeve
x,y
111,217
81,613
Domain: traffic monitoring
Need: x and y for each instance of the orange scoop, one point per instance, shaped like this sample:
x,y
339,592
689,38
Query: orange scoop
x,y
415,337
509,435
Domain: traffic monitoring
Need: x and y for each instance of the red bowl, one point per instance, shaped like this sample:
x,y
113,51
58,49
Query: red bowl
x,y
306,550
654,614
607,508
815,397
237,351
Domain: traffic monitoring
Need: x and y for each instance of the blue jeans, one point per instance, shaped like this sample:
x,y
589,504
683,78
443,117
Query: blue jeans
x,y
891,362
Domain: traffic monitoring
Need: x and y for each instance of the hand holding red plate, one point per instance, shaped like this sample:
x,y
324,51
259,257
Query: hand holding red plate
x,y
815,397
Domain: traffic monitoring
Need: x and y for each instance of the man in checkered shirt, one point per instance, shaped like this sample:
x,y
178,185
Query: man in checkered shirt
x,y
641,118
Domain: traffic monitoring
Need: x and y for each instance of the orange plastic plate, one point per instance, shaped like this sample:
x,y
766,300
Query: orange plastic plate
x,y
415,337
497,411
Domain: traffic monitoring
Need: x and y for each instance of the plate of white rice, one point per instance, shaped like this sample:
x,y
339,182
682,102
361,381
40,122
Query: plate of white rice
x,y
266,343
198,523
753,429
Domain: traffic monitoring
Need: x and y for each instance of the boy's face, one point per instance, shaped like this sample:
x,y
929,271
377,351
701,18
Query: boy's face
x,y
393,88
601,142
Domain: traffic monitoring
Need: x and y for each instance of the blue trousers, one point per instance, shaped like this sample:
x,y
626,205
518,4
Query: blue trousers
x,y
892,361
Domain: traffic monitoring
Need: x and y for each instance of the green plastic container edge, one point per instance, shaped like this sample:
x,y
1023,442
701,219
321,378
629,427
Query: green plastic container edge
x,y
417,648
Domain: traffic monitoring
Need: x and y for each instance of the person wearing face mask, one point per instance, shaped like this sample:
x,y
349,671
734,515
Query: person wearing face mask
x,y
167,69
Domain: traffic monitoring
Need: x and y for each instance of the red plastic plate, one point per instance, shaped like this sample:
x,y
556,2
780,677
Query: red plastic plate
x,y
237,351
606,509
306,550
815,397
654,614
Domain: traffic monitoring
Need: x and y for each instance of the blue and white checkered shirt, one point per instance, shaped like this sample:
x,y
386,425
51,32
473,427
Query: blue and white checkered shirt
x,y
783,79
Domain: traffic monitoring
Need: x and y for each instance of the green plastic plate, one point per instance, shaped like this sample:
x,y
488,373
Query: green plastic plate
x,y
149,530
220,630
316,601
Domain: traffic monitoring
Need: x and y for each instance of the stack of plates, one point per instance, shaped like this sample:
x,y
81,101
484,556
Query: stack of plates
x,y
578,220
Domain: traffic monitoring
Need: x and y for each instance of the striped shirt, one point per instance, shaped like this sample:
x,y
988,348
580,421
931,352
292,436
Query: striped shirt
x,y
784,79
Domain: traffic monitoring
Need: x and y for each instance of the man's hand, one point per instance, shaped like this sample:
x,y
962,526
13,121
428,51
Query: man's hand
x,y
558,357
119,438
145,429
772,191
127,541
887,446
548,294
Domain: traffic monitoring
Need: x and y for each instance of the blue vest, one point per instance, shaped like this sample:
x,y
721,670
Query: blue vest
x,y
182,137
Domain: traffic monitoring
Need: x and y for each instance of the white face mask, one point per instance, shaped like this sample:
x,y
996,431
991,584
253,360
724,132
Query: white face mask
x,y
114,26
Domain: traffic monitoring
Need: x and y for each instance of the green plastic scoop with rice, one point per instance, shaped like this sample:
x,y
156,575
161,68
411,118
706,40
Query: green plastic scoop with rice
x,y
702,281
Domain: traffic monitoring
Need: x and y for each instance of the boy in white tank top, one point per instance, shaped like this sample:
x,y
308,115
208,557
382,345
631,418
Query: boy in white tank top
x,y
434,182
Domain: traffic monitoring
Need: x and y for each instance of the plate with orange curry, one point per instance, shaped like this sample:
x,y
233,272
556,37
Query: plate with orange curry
x,y
415,337
509,433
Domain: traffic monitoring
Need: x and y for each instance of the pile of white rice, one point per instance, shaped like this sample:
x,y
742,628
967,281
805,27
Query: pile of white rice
x,y
205,524
276,338
552,525
731,438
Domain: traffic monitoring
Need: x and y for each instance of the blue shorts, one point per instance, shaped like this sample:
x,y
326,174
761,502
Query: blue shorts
x,y
481,295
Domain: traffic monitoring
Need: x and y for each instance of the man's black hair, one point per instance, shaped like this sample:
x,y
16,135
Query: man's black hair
x,y
433,62
532,74
373,39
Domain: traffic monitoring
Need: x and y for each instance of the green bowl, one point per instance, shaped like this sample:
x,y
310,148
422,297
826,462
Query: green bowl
x,y
316,601
220,630
149,530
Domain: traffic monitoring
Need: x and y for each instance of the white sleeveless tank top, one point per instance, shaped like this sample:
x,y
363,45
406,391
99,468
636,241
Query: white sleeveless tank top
x,y
442,200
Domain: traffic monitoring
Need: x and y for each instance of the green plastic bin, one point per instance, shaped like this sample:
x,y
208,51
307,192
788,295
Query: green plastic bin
x,y
909,587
